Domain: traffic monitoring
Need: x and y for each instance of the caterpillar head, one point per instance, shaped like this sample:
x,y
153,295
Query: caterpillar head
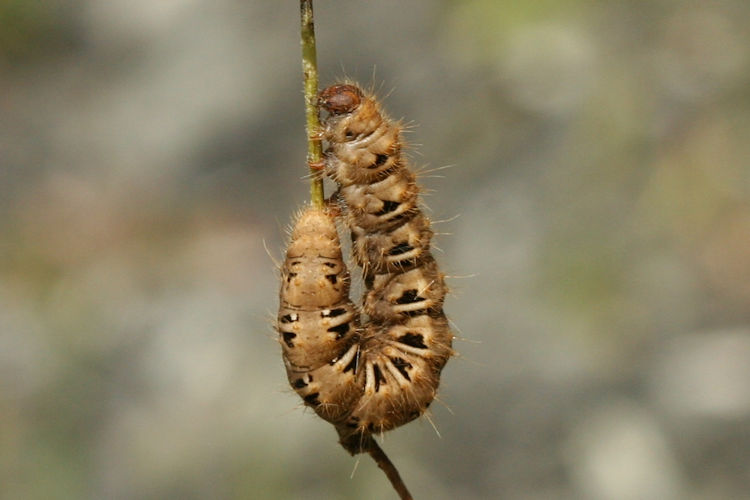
x,y
352,114
340,98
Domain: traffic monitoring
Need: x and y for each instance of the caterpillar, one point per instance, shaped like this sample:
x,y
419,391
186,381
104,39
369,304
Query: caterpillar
x,y
407,340
364,377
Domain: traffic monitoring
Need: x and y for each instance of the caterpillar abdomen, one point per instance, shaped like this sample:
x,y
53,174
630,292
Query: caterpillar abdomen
x,y
317,322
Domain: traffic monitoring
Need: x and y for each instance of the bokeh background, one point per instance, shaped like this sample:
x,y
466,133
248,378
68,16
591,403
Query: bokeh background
x,y
597,231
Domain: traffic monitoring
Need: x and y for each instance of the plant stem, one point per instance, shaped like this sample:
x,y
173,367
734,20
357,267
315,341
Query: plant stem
x,y
377,454
315,163
310,77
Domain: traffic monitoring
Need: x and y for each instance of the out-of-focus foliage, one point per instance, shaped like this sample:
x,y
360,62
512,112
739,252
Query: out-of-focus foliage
x,y
150,152
30,30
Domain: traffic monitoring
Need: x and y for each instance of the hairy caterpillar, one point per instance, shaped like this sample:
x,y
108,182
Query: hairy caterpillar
x,y
370,377
407,340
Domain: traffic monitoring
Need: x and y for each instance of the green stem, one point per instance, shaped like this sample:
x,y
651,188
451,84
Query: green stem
x,y
310,74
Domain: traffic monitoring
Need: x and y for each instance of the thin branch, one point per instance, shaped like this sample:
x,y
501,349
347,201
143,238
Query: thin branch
x,y
310,77
377,454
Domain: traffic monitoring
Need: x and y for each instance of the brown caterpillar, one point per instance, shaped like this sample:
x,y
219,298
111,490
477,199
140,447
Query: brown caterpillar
x,y
407,340
371,378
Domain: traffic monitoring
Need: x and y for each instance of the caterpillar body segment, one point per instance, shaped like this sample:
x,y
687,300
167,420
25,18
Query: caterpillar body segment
x,y
384,204
394,296
426,335
312,338
332,390
394,251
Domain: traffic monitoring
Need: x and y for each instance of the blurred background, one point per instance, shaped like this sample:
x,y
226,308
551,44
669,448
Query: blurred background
x,y
597,235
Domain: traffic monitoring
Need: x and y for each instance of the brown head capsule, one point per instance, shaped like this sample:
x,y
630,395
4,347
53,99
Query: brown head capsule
x,y
340,99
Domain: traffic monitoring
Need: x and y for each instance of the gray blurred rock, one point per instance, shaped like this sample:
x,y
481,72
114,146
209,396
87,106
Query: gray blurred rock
x,y
704,375
618,452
